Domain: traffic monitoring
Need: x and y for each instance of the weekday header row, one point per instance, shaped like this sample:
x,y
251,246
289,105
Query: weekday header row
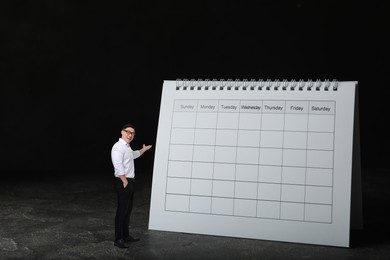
x,y
255,106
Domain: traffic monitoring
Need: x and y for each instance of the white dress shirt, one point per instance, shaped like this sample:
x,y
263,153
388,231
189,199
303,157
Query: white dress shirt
x,y
122,157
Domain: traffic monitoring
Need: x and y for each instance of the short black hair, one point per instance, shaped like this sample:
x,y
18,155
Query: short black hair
x,y
128,125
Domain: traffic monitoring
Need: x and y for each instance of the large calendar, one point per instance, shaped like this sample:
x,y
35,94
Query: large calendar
x,y
255,159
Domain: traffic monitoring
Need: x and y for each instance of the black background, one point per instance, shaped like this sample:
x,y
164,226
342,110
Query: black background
x,y
73,72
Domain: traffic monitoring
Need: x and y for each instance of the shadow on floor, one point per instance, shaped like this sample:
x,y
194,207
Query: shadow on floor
x,y
71,217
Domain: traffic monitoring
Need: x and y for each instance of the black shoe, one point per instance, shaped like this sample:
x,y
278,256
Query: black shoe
x,y
131,239
121,243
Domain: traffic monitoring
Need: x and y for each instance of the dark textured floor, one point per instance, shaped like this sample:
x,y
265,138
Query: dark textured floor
x,y
60,217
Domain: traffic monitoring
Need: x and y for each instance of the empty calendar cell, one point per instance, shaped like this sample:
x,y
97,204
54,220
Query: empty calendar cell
x,y
177,202
268,191
205,136
178,185
200,204
319,159
182,136
293,175
248,138
247,155
295,140
268,209
321,123
245,208
223,189
270,174
246,172
269,156
271,139
180,152
228,120
320,141
179,169
206,120
222,206
295,122
226,137
319,176
184,119
250,121
201,187
245,190
319,195
225,154
272,122
318,213
293,193
202,170
224,171
203,153
294,157
292,211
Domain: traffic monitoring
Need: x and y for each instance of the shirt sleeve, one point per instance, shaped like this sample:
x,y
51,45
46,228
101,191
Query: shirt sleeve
x,y
136,154
117,160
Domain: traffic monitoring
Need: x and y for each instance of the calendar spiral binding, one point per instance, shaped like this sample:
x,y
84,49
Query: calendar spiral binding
x,y
229,84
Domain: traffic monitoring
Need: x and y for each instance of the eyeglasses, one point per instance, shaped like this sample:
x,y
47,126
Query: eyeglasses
x,y
129,132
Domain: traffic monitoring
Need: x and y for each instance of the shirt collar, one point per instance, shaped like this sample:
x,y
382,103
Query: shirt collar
x,y
124,142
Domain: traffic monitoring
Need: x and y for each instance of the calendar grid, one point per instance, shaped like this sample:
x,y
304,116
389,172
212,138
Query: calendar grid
x,y
252,163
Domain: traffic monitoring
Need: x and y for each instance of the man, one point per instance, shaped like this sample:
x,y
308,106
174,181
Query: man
x,y
122,157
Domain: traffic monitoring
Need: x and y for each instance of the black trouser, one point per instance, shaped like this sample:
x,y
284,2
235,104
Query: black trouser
x,y
124,207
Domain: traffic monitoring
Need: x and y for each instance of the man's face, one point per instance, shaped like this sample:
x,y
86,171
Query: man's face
x,y
128,134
